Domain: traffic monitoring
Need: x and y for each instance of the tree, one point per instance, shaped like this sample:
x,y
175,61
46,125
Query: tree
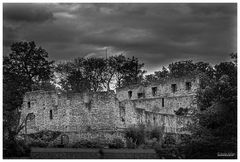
x,y
227,68
164,73
234,58
115,70
25,69
95,70
131,72
97,74
124,71
214,125
158,75
181,69
82,74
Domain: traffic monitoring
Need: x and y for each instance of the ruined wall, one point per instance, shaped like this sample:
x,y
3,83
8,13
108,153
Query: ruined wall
x,y
98,113
83,112
164,89
158,108
68,113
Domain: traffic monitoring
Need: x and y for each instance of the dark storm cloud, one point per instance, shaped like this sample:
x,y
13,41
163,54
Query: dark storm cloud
x,y
26,12
157,34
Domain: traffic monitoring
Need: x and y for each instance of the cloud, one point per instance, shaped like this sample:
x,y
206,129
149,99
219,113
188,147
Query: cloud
x,y
157,34
26,12
64,15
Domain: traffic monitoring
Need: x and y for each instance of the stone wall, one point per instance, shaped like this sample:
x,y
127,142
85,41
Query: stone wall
x,y
164,89
157,103
72,112
152,105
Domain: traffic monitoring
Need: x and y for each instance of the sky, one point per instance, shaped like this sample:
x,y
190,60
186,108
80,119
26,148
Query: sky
x,y
156,33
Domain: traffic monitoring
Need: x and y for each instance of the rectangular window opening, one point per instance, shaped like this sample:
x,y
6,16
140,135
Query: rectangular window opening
x,y
51,115
122,113
129,94
141,95
154,91
154,120
174,88
88,106
188,86
162,102
29,104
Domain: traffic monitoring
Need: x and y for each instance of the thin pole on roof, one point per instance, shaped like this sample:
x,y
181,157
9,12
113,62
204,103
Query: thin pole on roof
x,y
106,52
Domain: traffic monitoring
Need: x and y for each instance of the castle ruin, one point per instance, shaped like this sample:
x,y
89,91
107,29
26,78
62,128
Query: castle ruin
x,y
152,105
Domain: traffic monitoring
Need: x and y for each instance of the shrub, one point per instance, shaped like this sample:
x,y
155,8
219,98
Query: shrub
x,y
168,153
16,148
116,143
96,142
137,134
45,135
157,133
100,142
169,139
131,144
150,143
84,143
38,143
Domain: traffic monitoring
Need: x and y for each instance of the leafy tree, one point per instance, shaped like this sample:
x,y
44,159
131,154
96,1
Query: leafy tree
x,y
29,63
234,58
164,73
227,68
115,70
158,75
183,68
131,72
82,74
63,71
205,68
94,70
25,69
96,74
214,125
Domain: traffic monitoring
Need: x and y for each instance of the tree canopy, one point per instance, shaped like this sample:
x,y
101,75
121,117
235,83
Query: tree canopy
x,y
214,126
25,69
96,74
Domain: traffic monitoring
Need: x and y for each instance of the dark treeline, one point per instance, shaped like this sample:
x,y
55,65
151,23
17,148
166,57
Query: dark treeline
x,y
97,74
27,68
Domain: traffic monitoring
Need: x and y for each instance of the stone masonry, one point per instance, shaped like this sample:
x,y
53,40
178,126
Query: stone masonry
x,y
152,105
155,104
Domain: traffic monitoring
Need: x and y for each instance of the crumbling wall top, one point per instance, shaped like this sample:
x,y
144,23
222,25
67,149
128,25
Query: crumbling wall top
x,y
162,81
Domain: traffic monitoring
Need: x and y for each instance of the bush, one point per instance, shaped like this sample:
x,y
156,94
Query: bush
x,y
169,140
45,135
131,144
84,143
38,144
96,142
169,153
150,143
116,143
157,133
137,134
100,142
16,148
